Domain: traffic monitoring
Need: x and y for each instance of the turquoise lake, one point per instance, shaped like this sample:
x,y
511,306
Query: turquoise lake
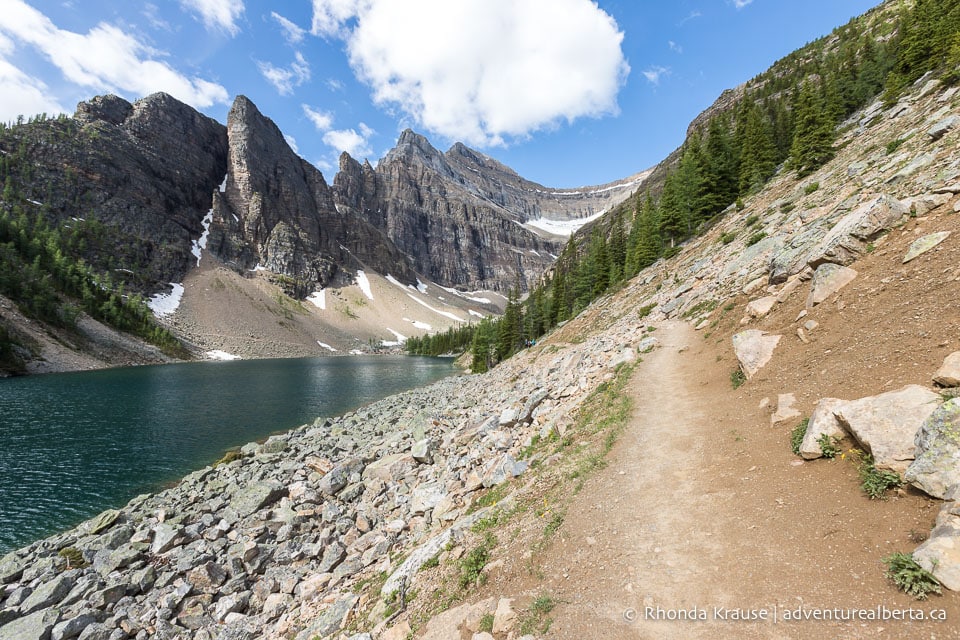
x,y
74,444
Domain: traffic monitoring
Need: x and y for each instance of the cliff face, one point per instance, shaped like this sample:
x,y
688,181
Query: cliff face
x,y
454,237
275,210
132,180
461,215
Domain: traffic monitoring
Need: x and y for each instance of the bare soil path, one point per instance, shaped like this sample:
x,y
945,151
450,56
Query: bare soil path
x,y
703,512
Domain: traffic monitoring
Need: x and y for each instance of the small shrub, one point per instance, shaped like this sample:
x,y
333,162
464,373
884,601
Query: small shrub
x,y
828,446
876,482
556,521
893,145
728,237
740,205
751,220
73,556
796,436
430,563
535,619
755,238
228,457
810,188
737,378
787,207
486,623
472,564
910,577
645,310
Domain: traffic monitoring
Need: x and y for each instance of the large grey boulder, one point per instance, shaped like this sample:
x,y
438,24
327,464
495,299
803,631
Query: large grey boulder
x,y
822,422
937,467
753,349
848,238
948,375
48,594
36,626
887,424
251,499
828,279
943,127
940,554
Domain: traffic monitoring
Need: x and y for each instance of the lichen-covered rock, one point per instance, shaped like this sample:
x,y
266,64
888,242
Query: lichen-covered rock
x,y
828,279
921,245
936,469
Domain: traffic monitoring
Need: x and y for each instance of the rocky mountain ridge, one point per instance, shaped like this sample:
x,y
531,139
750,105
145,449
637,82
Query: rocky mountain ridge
x,y
142,189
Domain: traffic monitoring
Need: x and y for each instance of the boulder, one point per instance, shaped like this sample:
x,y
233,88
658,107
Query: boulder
x,y
409,568
887,424
251,499
943,127
785,410
753,349
921,245
331,620
48,594
761,306
822,422
828,279
339,476
36,626
940,554
847,239
948,375
936,469
504,617
423,451
426,497
447,625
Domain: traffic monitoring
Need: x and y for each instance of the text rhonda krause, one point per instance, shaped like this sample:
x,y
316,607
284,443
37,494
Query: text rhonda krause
x,y
793,614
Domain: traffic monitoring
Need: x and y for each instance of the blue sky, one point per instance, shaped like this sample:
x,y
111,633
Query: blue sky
x,y
566,92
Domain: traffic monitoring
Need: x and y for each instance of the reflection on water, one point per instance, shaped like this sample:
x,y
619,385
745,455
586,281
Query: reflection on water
x,y
77,443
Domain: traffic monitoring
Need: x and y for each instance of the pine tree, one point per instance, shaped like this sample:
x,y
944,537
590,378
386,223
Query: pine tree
x,y
813,132
758,153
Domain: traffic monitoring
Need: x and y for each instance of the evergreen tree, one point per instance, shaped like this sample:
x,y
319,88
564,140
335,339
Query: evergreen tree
x,y
813,132
758,155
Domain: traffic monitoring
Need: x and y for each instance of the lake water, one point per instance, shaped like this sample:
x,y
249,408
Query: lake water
x,y
74,444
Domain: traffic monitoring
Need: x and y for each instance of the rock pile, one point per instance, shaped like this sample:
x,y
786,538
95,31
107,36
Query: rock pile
x,y
271,545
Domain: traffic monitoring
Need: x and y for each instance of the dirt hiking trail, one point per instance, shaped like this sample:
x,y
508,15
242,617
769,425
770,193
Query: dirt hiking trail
x,y
702,506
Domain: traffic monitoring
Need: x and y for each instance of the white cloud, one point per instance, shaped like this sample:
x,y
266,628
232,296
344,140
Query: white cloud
x,y
654,73
356,143
152,14
286,80
23,95
291,31
692,16
322,120
482,71
330,16
291,142
105,58
217,14
740,4
674,46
